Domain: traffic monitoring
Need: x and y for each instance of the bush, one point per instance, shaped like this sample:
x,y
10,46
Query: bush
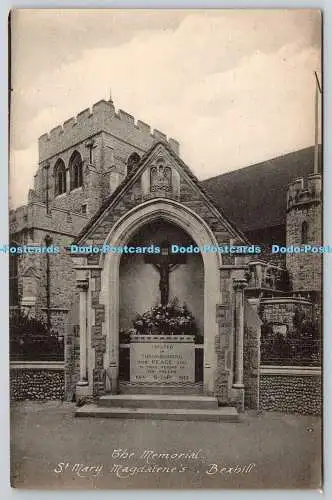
x,y
302,347
31,341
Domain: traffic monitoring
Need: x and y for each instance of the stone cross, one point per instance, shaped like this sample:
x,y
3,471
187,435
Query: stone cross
x,y
165,262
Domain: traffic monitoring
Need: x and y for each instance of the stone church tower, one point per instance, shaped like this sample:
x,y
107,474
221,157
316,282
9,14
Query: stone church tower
x,y
80,163
304,227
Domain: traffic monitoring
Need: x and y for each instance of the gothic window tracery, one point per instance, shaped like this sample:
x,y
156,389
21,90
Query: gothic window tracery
x,y
76,170
59,177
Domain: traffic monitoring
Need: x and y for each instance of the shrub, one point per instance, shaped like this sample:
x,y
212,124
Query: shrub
x,y
31,341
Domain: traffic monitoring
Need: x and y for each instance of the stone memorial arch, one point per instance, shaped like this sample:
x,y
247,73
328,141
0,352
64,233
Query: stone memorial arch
x,y
144,201
170,211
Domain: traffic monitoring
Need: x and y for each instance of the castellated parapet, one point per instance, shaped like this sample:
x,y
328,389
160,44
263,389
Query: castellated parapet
x,y
101,117
35,218
298,194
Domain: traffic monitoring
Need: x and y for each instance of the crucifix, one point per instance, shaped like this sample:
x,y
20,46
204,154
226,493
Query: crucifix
x,y
164,262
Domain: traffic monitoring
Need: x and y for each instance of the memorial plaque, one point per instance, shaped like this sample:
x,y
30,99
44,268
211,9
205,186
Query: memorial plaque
x,y
164,361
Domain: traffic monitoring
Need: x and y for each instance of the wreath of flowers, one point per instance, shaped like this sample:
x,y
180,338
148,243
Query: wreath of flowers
x,y
170,319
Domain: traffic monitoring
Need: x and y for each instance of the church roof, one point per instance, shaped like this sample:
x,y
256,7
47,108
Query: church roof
x,y
254,197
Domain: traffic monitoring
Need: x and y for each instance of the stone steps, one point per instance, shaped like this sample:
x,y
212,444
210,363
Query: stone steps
x,y
158,401
159,389
159,407
224,414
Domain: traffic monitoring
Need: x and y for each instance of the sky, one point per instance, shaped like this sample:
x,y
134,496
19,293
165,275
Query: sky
x,y
234,87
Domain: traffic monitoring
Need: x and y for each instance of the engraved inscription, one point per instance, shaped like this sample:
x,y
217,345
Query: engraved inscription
x,y
162,362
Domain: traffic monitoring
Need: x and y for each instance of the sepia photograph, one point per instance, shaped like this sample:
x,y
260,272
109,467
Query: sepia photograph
x,y
165,249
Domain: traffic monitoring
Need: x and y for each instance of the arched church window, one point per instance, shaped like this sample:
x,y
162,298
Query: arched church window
x,y
304,232
133,159
59,177
76,170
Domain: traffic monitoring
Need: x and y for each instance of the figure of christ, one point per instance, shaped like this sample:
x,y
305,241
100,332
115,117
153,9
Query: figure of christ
x,y
164,263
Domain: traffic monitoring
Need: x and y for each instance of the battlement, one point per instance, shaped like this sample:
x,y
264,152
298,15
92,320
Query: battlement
x,y
301,193
102,117
18,218
34,215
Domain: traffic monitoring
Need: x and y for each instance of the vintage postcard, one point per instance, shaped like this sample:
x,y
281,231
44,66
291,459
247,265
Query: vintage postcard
x,y
166,249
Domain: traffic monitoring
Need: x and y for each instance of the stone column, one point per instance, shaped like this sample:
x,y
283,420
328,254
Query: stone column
x,y
82,285
259,269
67,180
239,285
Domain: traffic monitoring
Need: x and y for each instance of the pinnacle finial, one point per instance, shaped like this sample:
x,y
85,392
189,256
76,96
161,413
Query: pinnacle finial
x,y
110,96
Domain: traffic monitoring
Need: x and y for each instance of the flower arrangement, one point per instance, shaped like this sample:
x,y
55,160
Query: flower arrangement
x,y
170,319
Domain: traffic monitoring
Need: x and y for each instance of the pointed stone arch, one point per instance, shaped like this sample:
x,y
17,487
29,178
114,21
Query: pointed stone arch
x,y
76,170
183,217
59,172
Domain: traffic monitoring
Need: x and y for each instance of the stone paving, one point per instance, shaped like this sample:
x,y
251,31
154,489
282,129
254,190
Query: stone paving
x,y
53,449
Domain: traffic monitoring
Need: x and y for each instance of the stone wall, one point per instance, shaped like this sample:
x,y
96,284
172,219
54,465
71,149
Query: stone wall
x,y
291,393
251,354
61,288
91,193
223,347
40,384
72,348
98,340
282,310
72,362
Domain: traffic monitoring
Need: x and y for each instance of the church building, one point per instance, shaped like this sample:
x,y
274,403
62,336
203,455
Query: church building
x,y
147,304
